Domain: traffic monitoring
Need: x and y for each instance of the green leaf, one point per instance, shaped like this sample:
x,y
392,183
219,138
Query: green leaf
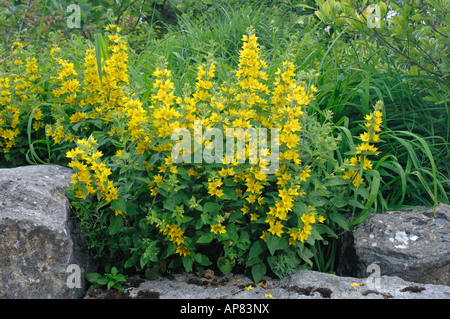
x,y
305,254
93,277
202,259
229,193
257,248
206,238
315,234
187,263
236,215
258,271
339,202
98,39
131,261
325,229
116,224
103,281
225,264
120,204
143,261
304,6
355,203
118,286
275,243
114,271
110,284
316,199
171,202
339,219
299,208
211,207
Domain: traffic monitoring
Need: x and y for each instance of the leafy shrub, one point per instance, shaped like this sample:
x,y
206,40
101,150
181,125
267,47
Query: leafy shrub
x,y
140,208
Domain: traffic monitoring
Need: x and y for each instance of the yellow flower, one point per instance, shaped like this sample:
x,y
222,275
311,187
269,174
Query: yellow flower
x,y
158,179
276,229
249,287
354,161
118,212
268,296
219,193
251,198
264,235
365,137
223,172
97,155
254,186
218,228
366,147
308,219
367,164
182,250
305,174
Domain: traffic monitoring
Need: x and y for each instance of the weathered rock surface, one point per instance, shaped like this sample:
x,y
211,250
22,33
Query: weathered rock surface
x,y
413,245
37,243
304,284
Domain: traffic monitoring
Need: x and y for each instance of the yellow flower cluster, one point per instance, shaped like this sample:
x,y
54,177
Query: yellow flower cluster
x,y
301,234
15,90
365,149
204,84
5,93
9,117
250,73
69,84
92,84
67,88
176,235
233,203
91,174
102,97
212,188
164,113
218,228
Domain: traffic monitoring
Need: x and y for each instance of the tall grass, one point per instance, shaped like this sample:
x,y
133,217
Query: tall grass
x,y
416,149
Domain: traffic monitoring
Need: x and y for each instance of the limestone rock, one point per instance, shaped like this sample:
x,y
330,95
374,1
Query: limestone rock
x,y
413,245
303,284
37,241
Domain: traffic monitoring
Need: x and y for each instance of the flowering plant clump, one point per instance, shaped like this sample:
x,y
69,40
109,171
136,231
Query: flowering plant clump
x,y
142,207
16,89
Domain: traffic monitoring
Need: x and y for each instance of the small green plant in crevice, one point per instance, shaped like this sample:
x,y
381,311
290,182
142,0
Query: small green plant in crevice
x,y
111,279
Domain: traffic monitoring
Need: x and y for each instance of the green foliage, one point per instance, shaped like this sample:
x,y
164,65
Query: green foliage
x,y
110,279
36,21
396,63
414,33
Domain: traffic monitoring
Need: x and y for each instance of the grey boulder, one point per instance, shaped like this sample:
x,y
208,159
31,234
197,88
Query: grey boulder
x,y
413,245
40,254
